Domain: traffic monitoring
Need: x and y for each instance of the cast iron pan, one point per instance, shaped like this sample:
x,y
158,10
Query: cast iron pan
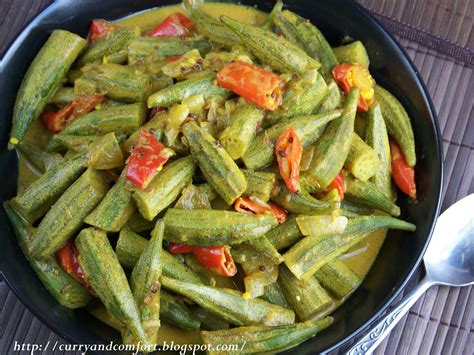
x,y
391,67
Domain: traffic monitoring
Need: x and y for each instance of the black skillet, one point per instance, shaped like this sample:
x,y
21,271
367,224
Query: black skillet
x,y
390,66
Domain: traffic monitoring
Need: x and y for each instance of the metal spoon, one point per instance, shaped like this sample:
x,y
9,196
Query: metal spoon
x,y
449,260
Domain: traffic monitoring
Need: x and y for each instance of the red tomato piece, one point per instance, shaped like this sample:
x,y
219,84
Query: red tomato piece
x,y
288,151
403,175
216,259
99,29
179,248
252,206
147,158
175,24
253,83
339,185
67,257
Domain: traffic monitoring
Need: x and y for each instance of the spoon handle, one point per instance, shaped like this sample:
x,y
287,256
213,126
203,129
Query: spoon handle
x,y
382,328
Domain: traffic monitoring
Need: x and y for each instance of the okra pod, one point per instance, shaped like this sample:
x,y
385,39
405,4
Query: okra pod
x,y
308,128
376,136
212,28
105,153
337,278
306,297
398,123
288,29
66,216
152,49
245,121
366,193
210,320
41,160
118,119
165,187
215,163
301,97
301,202
258,339
259,184
277,8
362,160
333,98
285,235
272,49
230,304
62,96
102,270
114,45
354,52
71,142
145,283
62,286
155,125
311,253
175,312
42,79
266,249
333,146
138,224
274,295
114,210
202,84
37,199
355,208
119,82
214,227
131,245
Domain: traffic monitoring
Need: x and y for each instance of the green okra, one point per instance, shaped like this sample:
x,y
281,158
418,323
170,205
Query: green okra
x,y
311,253
165,187
274,295
337,278
306,297
41,160
302,96
308,128
130,247
138,224
173,311
362,160
62,96
259,184
119,82
333,146
214,227
277,8
215,163
230,305
333,98
288,29
145,282
63,287
98,310
306,158
102,270
356,208
114,210
202,84
117,119
354,52
245,121
193,197
376,136
285,235
37,199
66,216
156,126
398,123
72,142
266,249
367,194
209,320
153,49
258,339
212,28
42,79
301,201
113,46
272,49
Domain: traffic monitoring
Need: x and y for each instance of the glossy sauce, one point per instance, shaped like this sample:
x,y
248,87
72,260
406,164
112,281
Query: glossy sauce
x,y
364,254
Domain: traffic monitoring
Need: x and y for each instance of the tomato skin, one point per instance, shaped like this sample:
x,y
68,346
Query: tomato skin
x,y
174,25
339,185
99,29
251,206
67,257
179,248
403,175
344,75
216,259
57,121
263,88
288,152
147,158
278,212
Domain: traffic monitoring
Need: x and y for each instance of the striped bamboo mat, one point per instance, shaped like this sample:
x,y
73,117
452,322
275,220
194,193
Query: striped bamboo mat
x,y
438,35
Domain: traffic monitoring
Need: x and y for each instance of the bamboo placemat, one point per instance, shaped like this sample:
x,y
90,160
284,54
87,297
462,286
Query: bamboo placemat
x,y
438,36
